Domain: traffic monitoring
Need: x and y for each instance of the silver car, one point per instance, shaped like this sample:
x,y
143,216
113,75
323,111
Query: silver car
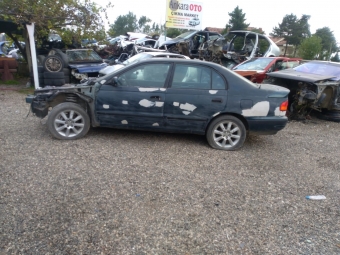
x,y
139,57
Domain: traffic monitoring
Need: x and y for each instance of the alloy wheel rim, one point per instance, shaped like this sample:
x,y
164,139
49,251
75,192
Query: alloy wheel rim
x,y
69,123
226,134
53,64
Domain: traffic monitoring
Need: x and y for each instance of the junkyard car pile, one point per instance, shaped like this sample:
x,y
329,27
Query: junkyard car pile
x,y
169,95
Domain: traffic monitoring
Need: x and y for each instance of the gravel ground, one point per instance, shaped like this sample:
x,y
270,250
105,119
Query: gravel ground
x,y
128,192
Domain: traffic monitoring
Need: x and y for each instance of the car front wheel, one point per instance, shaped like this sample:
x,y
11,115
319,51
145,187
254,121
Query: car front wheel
x,y
226,133
68,121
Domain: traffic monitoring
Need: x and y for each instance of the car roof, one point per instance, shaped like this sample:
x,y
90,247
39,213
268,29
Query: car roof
x,y
157,53
183,61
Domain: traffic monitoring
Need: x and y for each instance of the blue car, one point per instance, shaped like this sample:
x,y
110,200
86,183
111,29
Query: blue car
x,y
168,95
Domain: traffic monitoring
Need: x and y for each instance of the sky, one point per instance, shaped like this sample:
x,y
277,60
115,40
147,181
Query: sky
x,y
264,14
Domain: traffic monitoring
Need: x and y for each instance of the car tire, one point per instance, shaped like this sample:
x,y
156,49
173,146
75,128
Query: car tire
x,y
61,54
48,75
66,71
68,121
67,79
53,64
54,82
330,115
226,133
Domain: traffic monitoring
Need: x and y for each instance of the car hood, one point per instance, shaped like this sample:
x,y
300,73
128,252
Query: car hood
x,y
291,74
88,68
247,72
110,69
172,41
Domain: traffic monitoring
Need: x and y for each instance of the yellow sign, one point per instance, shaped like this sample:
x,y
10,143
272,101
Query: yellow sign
x,y
184,14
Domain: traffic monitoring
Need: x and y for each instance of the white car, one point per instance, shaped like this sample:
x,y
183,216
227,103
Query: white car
x,y
194,22
139,57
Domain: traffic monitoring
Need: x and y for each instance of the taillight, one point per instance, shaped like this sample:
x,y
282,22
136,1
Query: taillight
x,y
284,106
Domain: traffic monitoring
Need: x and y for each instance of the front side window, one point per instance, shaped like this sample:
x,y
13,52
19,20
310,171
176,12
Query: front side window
x,y
191,77
145,76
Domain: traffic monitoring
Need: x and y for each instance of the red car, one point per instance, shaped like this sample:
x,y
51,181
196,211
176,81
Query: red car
x,y
256,69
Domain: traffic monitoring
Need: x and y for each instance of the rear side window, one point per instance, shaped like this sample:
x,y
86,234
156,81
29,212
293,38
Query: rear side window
x,y
191,77
196,77
217,81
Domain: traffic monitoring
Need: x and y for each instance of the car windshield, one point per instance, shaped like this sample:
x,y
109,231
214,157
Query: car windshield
x,y
254,64
186,35
83,56
136,58
320,69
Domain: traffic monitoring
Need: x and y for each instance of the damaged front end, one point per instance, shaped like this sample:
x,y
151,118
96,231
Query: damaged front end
x,y
45,99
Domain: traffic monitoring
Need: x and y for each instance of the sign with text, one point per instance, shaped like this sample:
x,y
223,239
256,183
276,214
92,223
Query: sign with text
x,y
184,14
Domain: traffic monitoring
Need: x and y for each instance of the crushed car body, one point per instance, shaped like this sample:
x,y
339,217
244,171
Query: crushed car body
x,y
313,85
238,46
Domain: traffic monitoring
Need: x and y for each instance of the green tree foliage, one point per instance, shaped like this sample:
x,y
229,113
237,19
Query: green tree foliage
x,y
292,29
73,17
129,23
237,20
336,58
329,45
310,47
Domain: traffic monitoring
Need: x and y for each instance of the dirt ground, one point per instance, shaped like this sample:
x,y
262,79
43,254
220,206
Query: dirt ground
x,y
131,192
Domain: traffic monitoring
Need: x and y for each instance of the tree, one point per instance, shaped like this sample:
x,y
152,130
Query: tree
x,y
237,20
336,58
69,18
329,45
310,47
292,29
129,23
74,17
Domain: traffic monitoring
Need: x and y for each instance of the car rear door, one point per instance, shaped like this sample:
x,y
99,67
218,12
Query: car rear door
x,y
195,95
134,98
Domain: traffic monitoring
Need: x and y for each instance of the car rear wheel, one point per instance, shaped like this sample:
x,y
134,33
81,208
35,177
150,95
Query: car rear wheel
x,y
226,133
68,121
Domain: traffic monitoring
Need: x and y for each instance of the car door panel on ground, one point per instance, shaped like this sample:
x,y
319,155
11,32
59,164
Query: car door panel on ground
x,y
194,96
134,98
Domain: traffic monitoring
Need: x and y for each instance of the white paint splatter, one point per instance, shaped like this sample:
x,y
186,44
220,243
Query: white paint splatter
x,y
106,106
148,89
155,124
176,104
103,81
186,112
124,122
279,113
125,102
162,89
216,114
259,109
213,91
146,103
188,107
159,104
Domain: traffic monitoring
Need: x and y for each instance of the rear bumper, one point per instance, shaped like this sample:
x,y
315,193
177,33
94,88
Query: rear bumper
x,y
266,125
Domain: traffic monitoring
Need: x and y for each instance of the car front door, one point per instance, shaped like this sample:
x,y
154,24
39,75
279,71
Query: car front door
x,y
134,98
196,94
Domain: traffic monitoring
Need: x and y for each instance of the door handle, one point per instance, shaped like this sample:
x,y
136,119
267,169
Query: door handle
x,y
156,98
217,100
